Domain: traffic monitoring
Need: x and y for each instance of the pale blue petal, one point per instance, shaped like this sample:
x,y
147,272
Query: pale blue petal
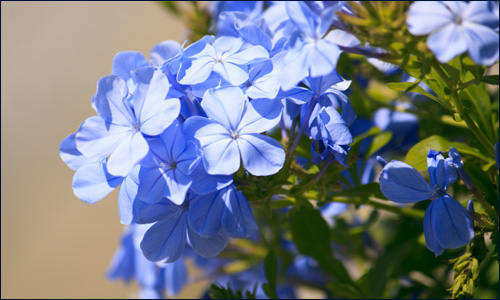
x,y
402,183
262,155
323,58
195,71
163,52
129,152
451,223
205,212
166,239
480,13
335,125
178,184
303,18
299,95
152,185
448,42
296,68
430,239
263,83
482,43
127,197
426,16
208,247
92,182
261,115
227,45
201,47
237,218
125,62
225,105
98,139
231,73
250,55
221,157
70,154
206,183
111,101
175,277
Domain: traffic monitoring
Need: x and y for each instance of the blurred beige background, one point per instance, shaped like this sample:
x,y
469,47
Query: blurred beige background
x,y
52,244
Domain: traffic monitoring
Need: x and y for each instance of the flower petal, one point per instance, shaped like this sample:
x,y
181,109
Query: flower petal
x,y
237,217
208,247
70,154
482,43
451,223
175,277
261,115
129,152
111,101
92,182
262,155
430,239
402,183
205,212
231,73
166,239
97,138
448,42
225,105
426,16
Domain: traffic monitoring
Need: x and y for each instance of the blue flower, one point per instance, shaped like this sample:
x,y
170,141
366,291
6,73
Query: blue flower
x,y
231,133
224,56
447,224
165,170
124,119
204,221
308,52
129,264
455,27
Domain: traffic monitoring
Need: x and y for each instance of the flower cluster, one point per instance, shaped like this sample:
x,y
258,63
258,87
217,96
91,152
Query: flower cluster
x,y
447,224
171,132
254,113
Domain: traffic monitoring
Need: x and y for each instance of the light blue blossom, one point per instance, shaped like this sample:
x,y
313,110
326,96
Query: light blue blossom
x,y
447,224
224,56
204,221
308,52
231,133
124,119
154,279
165,170
455,27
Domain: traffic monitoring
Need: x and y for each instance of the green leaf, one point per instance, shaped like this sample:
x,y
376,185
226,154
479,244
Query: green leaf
x,y
311,235
378,142
417,155
482,182
371,189
411,87
477,104
491,79
271,271
385,267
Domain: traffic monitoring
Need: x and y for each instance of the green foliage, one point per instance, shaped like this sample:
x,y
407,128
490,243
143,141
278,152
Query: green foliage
x,y
311,235
271,271
219,292
417,155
